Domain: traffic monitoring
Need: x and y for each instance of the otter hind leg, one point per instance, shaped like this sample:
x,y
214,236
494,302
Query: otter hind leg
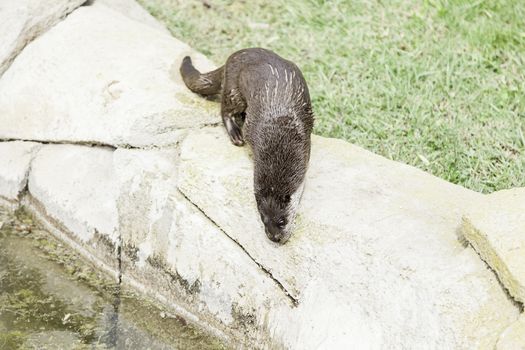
x,y
201,83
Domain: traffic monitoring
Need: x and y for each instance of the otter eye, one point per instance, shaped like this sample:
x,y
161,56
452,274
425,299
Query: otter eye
x,y
281,223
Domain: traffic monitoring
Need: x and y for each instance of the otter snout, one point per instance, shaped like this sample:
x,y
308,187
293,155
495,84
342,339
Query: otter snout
x,y
276,231
276,235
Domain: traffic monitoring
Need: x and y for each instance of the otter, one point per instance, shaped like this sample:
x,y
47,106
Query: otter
x,y
265,102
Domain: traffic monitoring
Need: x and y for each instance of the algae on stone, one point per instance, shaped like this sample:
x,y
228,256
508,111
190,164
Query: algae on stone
x,y
496,229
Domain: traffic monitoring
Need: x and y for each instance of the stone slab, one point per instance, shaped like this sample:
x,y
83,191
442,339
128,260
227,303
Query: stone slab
x,y
172,248
77,187
98,198
15,162
101,77
375,262
496,229
513,338
375,259
21,21
72,189
133,10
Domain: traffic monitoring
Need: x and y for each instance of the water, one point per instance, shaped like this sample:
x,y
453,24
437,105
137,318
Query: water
x,y
51,299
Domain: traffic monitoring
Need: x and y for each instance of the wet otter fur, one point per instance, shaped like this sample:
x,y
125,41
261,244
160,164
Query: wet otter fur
x,y
269,97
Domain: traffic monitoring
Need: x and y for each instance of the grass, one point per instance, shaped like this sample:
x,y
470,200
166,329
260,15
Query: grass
x,y
436,84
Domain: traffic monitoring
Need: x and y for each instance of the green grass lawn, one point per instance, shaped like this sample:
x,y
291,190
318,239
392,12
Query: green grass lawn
x,y
436,84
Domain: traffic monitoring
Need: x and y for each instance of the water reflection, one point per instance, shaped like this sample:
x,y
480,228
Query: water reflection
x,y
50,299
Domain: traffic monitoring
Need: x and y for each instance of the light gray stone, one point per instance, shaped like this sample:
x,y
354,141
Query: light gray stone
x,y
375,260
21,21
15,162
133,10
75,185
101,77
164,235
98,198
513,338
72,192
496,229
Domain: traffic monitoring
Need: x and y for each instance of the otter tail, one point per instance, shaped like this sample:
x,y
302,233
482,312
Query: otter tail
x,y
201,83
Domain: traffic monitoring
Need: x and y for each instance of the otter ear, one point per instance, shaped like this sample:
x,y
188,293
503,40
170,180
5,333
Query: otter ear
x,y
287,198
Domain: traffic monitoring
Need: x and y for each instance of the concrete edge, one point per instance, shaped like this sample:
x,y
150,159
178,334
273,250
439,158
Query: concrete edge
x,y
477,240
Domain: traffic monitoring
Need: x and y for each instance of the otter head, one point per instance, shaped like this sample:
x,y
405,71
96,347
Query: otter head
x,y
281,154
278,211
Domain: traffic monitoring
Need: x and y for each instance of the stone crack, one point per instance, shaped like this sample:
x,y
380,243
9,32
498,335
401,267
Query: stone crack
x,y
291,298
79,143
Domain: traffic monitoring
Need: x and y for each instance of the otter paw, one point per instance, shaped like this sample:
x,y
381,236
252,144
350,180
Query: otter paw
x,y
236,137
235,133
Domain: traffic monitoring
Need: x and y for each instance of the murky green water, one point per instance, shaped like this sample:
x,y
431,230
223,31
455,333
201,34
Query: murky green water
x,y
51,299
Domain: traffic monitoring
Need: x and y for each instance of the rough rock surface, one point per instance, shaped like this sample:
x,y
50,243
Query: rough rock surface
x,y
170,246
513,338
371,248
23,20
76,186
361,267
133,10
496,229
72,191
15,160
101,77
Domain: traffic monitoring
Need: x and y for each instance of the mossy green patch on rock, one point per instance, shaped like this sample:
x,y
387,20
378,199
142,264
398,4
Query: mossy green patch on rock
x,y
496,229
12,339
244,319
25,306
159,263
131,252
99,238
164,325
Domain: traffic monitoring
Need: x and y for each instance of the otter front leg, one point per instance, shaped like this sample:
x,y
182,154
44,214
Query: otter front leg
x,y
232,106
233,129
